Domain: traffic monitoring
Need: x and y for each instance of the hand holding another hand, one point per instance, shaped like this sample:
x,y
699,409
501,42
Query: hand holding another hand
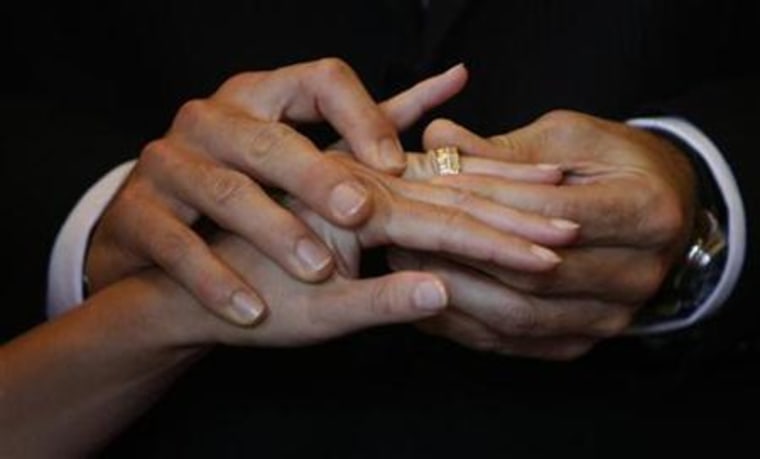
x,y
221,152
633,195
417,216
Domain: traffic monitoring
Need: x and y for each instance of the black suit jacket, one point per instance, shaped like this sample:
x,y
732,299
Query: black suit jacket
x,y
87,84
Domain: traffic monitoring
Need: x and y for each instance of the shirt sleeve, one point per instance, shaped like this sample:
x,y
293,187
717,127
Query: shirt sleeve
x,y
66,268
736,226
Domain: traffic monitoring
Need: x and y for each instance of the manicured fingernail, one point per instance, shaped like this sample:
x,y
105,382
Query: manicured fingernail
x,y
561,223
313,256
545,254
244,309
392,155
455,68
348,198
430,296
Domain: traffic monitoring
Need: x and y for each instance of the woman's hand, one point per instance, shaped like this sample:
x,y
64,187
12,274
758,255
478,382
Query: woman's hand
x,y
219,155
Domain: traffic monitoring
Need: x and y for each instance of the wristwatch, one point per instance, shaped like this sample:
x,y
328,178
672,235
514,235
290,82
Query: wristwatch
x,y
694,277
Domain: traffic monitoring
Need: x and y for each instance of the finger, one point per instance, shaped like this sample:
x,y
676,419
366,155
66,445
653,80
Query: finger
x,y
421,167
343,243
327,89
513,313
394,298
405,108
463,329
608,214
273,154
452,230
471,333
623,275
490,160
234,202
530,226
560,348
174,247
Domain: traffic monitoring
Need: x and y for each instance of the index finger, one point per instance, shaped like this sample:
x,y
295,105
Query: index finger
x,y
327,89
607,213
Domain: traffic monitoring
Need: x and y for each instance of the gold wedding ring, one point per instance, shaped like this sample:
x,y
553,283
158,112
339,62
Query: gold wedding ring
x,y
446,160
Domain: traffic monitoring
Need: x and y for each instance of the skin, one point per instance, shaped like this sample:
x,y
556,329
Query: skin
x,y
78,380
215,160
219,154
626,244
633,194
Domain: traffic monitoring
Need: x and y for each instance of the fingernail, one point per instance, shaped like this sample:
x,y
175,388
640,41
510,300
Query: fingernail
x,y
348,198
392,155
549,167
545,254
430,296
561,223
313,257
244,309
455,67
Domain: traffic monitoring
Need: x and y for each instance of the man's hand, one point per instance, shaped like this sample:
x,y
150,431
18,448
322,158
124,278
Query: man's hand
x,y
633,195
218,155
417,216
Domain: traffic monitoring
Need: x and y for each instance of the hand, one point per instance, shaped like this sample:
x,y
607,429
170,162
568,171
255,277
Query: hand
x,y
633,195
413,215
216,151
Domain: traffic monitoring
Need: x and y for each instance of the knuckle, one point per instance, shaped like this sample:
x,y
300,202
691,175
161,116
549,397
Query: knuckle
x,y
241,81
438,132
381,299
561,117
172,248
224,187
332,68
668,220
562,126
521,321
612,325
440,124
640,281
190,114
459,198
446,236
127,202
452,217
268,140
649,279
156,154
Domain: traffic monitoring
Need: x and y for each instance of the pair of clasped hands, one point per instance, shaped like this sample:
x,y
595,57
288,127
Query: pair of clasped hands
x,y
549,240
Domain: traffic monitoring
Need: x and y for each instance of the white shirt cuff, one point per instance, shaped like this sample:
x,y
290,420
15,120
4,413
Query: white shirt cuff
x,y
736,230
65,272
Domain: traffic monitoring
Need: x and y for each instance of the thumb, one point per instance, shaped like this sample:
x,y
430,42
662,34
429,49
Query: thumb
x,y
393,298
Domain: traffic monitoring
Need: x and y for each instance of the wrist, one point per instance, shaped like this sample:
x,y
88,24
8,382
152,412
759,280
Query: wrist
x,y
719,197
155,314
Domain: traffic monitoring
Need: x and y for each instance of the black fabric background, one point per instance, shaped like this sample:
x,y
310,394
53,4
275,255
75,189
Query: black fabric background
x,y
85,84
